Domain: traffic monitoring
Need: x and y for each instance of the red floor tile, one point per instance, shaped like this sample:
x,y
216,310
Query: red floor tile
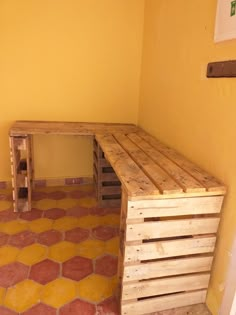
x,y
3,239
109,306
50,237
76,235
39,195
54,213
76,194
77,212
104,211
8,215
78,307
104,233
6,311
34,214
44,271
56,195
40,309
22,239
77,268
106,266
12,274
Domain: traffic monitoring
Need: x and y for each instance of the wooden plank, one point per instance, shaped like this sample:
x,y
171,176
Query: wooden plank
x,y
165,286
132,177
68,128
174,207
207,180
159,177
167,267
171,228
162,303
164,249
29,171
185,180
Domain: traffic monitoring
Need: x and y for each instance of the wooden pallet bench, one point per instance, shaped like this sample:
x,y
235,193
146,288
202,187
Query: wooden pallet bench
x,y
170,211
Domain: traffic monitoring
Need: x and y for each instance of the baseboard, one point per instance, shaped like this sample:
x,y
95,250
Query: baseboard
x,y
68,181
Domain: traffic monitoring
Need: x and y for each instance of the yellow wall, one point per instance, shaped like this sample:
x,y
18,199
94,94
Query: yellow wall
x,y
75,60
186,110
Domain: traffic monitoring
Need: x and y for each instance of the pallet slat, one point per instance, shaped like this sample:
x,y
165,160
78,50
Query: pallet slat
x,y
164,249
162,180
208,181
171,228
129,173
165,286
167,267
162,303
185,180
174,207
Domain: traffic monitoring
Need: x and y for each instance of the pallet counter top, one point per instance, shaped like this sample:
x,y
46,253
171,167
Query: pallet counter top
x,y
169,210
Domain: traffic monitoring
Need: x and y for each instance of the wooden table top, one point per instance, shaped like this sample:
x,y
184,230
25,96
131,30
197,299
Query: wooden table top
x,y
147,168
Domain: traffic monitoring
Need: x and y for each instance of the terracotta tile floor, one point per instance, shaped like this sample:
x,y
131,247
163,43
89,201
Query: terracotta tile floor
x,y
60,258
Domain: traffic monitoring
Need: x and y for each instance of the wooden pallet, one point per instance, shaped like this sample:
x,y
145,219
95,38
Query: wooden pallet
x,y
107,184
22,171
166,256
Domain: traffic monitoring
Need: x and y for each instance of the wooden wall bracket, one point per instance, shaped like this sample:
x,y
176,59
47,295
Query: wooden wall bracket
x,y
221,69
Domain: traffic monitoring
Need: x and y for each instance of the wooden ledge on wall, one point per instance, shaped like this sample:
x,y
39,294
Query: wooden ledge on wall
x,y
221,69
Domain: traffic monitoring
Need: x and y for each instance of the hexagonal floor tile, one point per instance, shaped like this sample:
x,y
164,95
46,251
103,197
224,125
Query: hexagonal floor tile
x,y
2,295
111,219
58,292
77,235
34,214
3,239
23,295
106,266
32,254
87,202
6,311
40,225
56,195
78,307
44,204
39,195
50,237
77,268
91,248
8,215
76,194
41,309
109,306
77,211
112,246
65,223
62,251
104,233
86,288
89,221
66,203
54,213
44,271
14,227
4,205
13,273
22,239
8,255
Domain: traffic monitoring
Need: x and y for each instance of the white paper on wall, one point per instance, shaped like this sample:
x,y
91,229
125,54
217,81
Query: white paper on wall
x,y
225,26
